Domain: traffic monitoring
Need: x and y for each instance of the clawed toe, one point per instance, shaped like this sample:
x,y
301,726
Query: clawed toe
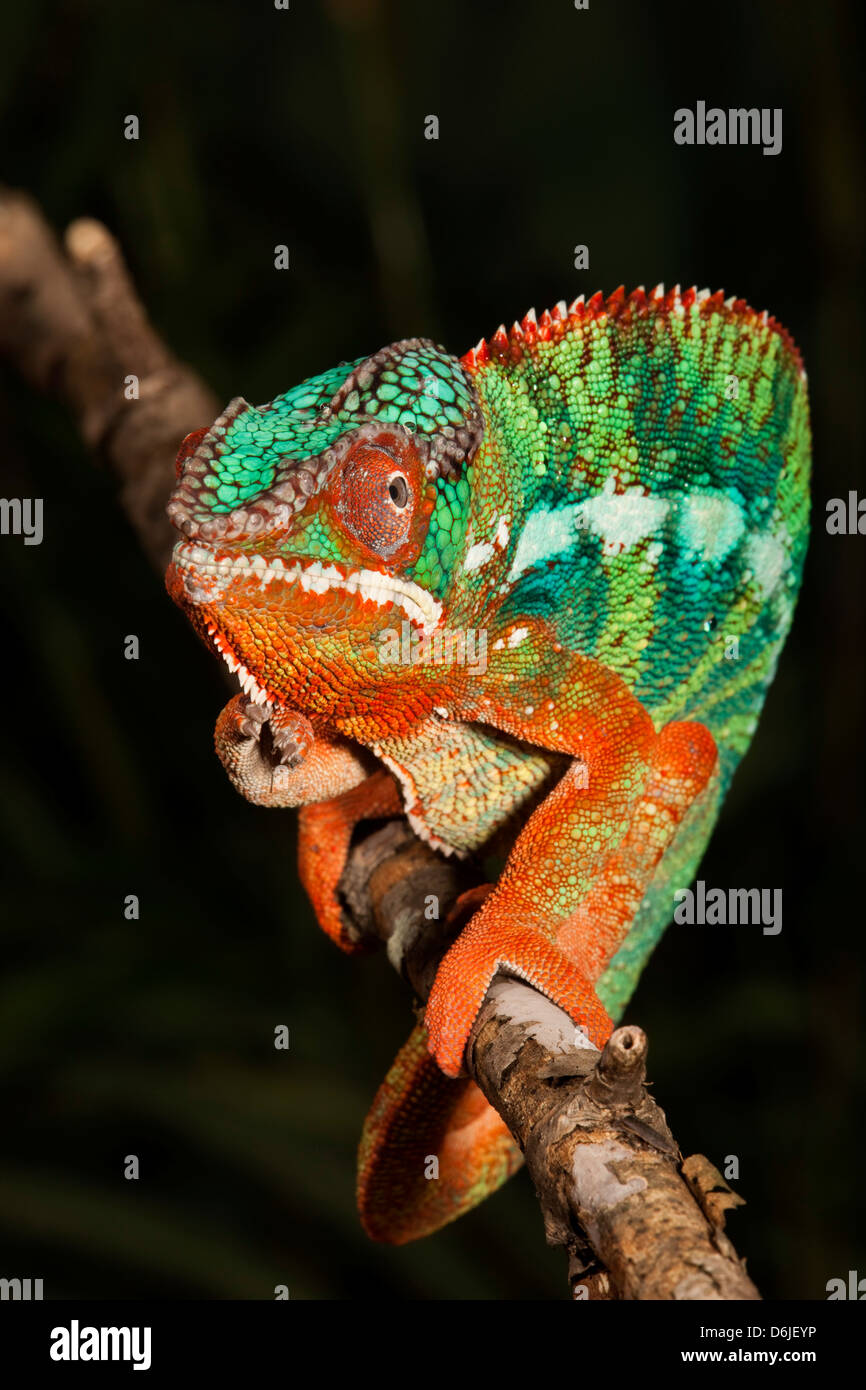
x,y
290,749
252,718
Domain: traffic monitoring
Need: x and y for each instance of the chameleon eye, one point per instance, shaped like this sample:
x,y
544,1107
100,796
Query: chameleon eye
x,y
398,491
377,495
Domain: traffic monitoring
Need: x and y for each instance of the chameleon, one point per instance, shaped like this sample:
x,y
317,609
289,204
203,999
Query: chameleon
x,y
606,508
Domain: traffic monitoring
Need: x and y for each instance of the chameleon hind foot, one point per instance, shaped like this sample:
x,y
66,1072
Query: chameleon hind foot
x,y
494,943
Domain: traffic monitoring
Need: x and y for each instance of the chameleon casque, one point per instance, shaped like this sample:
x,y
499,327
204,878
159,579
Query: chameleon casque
x,y
611,493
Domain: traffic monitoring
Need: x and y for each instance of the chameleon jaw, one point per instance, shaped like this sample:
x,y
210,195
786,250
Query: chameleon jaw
x,y
207,577
246,680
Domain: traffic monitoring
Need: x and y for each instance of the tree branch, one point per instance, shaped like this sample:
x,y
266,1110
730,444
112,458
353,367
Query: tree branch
x,y
73,326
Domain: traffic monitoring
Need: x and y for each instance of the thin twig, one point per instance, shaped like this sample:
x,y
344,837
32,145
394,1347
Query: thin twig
x,y
73,326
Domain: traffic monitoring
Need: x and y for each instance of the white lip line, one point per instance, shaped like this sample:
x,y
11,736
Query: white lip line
x,y
247,681
419,606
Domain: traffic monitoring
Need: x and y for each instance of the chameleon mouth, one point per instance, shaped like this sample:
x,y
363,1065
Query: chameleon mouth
x,y
208,577
246,680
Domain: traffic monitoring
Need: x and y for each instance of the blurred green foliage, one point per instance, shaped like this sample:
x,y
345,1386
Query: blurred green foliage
x,y
155,1037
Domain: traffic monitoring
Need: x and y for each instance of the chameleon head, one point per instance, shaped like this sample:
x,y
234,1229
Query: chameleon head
x,y
313,525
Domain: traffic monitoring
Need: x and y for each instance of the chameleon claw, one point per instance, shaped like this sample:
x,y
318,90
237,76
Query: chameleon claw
x,y
251,719
292,736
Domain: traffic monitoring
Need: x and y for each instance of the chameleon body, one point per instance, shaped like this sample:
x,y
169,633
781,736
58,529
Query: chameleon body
x,y
614,496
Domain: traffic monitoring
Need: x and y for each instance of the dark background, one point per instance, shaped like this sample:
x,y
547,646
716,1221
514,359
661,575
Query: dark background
x,y
155,1037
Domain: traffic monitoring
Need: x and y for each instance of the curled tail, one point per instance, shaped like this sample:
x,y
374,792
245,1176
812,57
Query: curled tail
x,y
431,1149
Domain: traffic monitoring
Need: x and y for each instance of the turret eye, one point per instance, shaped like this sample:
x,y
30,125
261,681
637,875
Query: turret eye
x,y
379,494
398,490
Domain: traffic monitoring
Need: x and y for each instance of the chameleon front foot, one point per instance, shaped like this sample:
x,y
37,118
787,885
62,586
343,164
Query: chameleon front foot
x,y
275,757
491,945
264,749
291,735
